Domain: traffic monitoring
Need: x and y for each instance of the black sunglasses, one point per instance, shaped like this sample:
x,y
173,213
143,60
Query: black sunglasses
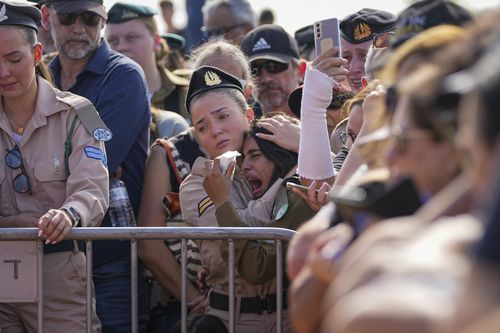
x,y
14,160
219,31
88,18
272,67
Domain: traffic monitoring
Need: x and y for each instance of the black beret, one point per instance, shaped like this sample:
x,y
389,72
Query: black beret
x,y
270,42
364,24
422,15
77,6
174,41
22,14
123,12
207,78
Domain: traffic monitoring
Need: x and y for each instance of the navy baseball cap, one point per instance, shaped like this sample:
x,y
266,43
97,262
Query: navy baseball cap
x,y
270,42
78,6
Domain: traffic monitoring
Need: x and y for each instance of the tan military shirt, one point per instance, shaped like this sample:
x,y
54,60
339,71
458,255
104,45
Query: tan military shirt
x,y
198,210
169,84
42,149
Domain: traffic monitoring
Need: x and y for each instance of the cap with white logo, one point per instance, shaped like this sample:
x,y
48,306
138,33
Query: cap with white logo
x,y
270,42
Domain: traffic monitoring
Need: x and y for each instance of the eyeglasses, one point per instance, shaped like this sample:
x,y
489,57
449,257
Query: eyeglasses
x,y
219,31
272,67
88,18
344,137
382,40
14,160
403,137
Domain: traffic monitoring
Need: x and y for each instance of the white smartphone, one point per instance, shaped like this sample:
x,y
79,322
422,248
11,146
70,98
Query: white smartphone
x,y
326,35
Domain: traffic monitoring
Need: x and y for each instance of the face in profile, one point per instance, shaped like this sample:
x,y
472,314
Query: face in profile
x,y
17,62
219,122
256,168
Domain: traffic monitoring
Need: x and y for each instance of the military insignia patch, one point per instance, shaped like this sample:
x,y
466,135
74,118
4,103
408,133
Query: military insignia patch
x,y
281,211
362,31
204,204
212,79
102,134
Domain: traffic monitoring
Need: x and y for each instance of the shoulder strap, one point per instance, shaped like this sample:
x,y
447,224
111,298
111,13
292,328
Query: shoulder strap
x,y
67,145
170,158
87,114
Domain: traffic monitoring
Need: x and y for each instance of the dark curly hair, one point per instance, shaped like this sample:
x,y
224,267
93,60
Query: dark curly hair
x,y
284,160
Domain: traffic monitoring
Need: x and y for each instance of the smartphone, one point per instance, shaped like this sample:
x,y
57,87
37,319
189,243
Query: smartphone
x,y
326,35
290,185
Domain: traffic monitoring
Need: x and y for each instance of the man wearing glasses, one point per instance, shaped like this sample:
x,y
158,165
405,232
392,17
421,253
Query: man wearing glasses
x,y
116,86
230,20
274,62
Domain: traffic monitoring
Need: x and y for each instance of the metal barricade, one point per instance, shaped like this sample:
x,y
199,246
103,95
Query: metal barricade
x,y
143,233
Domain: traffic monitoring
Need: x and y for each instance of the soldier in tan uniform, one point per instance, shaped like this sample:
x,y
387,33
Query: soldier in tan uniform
x,y
54,176
220,117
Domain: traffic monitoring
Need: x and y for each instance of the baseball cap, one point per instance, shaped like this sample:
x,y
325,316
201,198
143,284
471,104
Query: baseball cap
x,y
122,12
21,14
208,78
364,24
269,42
424,14
77,6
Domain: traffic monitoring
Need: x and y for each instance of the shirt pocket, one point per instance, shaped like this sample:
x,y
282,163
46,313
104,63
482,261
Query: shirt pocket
x,y
50,180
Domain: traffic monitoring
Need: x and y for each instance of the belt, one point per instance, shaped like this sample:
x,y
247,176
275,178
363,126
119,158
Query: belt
x,y
63,246
256,304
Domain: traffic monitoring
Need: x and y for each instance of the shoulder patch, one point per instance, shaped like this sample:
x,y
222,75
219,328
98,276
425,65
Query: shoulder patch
x,y
204,204
87,114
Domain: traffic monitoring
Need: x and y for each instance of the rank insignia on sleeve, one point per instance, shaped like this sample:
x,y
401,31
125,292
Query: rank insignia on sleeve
x,y
204,204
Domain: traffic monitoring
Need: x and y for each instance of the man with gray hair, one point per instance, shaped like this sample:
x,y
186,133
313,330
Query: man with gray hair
x,y
228,19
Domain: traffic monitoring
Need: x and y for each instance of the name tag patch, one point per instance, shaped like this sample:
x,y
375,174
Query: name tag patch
x,y
95,153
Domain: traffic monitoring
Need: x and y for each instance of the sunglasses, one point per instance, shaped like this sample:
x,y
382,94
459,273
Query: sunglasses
x,y
219,31
14,160
382,40
272,67
88,18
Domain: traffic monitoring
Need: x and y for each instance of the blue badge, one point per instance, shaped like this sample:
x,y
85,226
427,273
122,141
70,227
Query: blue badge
x,y
95,153
102,134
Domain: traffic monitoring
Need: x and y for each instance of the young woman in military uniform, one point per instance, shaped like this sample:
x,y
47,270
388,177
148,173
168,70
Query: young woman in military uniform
x,y
54,177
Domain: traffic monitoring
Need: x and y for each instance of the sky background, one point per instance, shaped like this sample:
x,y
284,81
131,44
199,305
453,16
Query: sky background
x,y
295,14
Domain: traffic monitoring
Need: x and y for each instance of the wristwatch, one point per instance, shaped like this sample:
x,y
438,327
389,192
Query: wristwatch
x,y
73,215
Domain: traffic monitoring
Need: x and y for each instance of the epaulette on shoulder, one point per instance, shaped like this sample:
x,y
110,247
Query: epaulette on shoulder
x,y
87,114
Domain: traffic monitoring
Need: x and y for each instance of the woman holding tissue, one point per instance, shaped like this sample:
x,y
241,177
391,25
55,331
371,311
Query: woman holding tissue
x,y
220,117
54,177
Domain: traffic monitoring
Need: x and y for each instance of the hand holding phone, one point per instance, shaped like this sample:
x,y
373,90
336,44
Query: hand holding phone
x,y
326,35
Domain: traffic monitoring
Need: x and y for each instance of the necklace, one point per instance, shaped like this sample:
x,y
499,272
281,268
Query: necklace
x,y
18,129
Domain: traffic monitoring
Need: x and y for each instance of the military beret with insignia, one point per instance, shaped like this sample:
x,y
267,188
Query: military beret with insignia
x,y
364,24
22,14
424,14
174,41
208,78
123,12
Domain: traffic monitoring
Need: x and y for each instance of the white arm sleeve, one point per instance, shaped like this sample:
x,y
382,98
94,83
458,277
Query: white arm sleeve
x,y
315,160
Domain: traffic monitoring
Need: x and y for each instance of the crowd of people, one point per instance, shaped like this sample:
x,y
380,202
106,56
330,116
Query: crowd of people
x,y
381,153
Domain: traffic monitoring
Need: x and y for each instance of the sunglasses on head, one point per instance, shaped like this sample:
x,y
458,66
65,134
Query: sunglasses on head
x,y
382,40
88,18
272,67
14,160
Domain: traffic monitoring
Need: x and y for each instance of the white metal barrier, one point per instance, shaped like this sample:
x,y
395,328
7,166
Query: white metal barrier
x,y
21,249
